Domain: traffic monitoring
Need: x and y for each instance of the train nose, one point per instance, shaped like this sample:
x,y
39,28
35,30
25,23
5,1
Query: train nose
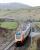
x,y
19,43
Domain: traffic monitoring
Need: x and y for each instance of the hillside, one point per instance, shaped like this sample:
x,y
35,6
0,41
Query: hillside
x,y
21,14
22,11
13,6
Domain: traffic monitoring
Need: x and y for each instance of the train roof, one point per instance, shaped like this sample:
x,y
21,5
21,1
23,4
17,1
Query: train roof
x,y
25,26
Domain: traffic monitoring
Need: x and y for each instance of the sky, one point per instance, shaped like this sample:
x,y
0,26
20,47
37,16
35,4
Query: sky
x,y
27,2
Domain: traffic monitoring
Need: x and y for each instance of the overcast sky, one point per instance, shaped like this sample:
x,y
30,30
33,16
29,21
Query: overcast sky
x,y
28,2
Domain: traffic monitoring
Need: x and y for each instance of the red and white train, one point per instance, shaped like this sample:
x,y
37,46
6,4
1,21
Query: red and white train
x,y
23,33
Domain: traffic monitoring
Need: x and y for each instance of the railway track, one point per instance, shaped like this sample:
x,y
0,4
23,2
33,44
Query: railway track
x,y
23,47
12,46
4,42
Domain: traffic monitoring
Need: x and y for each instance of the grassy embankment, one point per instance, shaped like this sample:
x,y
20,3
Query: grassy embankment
x,y
8,25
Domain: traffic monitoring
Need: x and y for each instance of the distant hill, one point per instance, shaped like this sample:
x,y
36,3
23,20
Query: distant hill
x,y
13,6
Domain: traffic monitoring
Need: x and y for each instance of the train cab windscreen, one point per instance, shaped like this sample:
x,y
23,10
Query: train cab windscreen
x,y
18,35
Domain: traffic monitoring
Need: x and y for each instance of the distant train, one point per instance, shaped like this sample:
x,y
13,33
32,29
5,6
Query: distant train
x,y
23,33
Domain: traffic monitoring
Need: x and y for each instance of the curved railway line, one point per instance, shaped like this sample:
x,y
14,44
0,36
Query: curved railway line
x,y
12,46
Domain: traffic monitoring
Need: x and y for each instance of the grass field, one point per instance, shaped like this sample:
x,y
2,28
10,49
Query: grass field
x,y
9,25
21,13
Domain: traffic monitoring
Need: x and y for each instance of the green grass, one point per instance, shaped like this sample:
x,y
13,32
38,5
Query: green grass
x,y
12,12
9,25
